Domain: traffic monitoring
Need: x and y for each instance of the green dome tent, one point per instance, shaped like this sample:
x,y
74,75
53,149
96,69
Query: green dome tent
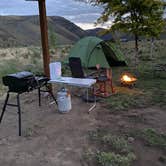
x,y
92,51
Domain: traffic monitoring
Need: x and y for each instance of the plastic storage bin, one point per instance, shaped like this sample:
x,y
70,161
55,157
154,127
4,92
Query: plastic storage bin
x,y
55,70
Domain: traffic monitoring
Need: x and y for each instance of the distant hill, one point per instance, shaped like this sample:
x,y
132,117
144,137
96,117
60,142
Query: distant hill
x,y
117,35
110,36
97,32
25,30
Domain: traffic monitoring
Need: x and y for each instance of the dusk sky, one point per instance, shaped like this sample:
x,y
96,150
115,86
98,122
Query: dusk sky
x,y
84,15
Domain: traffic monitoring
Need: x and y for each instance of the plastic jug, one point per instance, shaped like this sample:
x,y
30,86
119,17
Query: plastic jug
x,y
55,70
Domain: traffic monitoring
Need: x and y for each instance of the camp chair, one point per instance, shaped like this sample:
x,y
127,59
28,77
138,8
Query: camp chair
x,y
77,72
76,67
104,79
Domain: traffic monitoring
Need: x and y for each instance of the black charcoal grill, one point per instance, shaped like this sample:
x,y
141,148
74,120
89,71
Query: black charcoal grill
x,y
22,82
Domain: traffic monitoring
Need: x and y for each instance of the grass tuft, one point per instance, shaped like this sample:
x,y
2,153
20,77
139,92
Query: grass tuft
x,y
117,143
112,159
153,138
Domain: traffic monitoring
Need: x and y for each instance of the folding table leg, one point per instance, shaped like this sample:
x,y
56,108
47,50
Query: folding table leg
x,y
87,95
4,107
94,104
19,114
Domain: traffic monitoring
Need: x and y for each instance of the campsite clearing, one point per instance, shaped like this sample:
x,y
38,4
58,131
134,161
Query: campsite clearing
x,y
129,127
74,139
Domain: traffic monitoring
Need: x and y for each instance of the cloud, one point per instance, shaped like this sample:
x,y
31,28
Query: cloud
x,y
76,12
92,25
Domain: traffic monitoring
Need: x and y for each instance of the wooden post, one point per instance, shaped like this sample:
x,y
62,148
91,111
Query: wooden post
x,y
44,36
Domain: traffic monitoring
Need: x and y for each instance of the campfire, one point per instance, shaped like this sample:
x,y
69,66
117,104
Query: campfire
x,y
128,80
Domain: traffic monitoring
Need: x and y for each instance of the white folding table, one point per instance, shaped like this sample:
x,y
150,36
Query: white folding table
x,y
79,82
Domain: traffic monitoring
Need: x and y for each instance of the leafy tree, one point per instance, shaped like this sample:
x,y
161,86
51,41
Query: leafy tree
x,y
139,17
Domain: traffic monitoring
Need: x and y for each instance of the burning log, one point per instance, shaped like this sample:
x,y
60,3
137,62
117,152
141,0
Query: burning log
x,y
128,80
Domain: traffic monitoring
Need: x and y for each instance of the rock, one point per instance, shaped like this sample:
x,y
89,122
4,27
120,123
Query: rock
x,y
121,124
130,139
162,159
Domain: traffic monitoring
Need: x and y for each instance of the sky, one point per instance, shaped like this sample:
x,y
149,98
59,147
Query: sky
x,y
83,15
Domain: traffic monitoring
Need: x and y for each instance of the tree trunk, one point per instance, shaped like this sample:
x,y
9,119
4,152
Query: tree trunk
x,y
136,50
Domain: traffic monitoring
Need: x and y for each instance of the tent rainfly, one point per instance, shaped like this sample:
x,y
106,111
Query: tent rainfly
x,y
93,50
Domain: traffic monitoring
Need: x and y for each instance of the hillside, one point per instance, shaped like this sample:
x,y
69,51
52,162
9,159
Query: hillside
x,y
118,35
25,30
98,32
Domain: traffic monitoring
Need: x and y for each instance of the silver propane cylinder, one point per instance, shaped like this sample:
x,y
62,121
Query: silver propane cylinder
x,y
64,101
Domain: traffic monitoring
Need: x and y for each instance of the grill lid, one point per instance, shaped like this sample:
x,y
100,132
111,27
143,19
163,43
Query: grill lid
x,y
20,75
20,82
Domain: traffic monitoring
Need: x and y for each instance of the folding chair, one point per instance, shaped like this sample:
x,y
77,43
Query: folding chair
x,y
77,72
76,67
104,79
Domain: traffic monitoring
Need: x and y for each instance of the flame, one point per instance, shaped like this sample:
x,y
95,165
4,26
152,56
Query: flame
x,y
127,78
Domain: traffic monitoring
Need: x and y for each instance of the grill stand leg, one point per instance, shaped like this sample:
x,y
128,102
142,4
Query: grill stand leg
x,y
47,90
53,98
13,105
19,114
4,107
50,92
39,95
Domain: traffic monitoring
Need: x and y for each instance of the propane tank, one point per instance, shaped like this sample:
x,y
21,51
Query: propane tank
x,y
64,100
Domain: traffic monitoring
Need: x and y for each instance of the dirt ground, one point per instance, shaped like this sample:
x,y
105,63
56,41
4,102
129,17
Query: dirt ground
x,y
53,139
123,123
